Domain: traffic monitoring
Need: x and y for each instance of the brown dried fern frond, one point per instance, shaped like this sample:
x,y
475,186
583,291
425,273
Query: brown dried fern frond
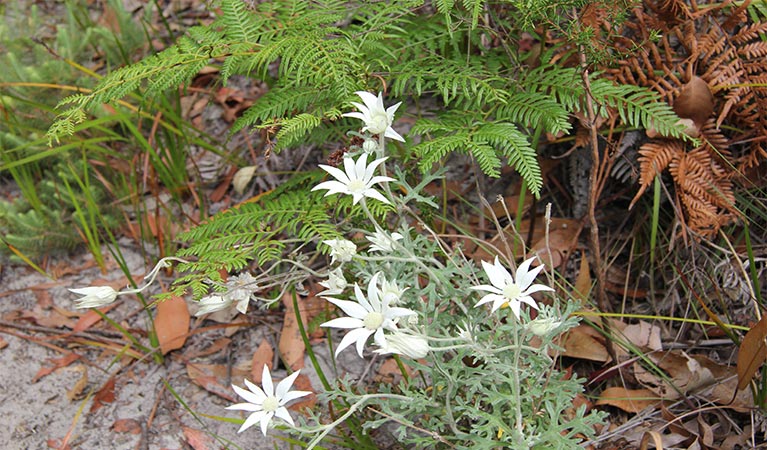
x,y
719,44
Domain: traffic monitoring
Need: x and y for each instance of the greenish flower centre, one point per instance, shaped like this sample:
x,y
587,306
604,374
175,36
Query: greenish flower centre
x,y
378,123
356,186
373,321
512,291
270,404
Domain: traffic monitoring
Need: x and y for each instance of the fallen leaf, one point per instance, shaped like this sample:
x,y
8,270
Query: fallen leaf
x,y
303,383
58,444
80,385
202,376
629,400
291,344
58,363
104,395
584,342
560,243
263,356
582,286
213,378
130,426
90,318
217,346
695,101
172,324
3,343
54,319
390,373
198,439
707,378
752,352
643,335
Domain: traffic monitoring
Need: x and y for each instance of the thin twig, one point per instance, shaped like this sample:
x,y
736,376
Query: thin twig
x,y
594,192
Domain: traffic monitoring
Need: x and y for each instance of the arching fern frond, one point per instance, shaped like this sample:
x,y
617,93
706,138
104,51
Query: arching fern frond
x,y
256,231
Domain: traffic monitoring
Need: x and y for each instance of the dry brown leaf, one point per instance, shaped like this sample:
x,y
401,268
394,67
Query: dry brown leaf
x,y
562,239
752,352
218,345
303,383
643,335
3,343
584,342
263,356
709,379
90,318
131,426
104,395
291,345
80,384
629,400
57,363
53,320
172,324
198,439
695,101
582,286
201,376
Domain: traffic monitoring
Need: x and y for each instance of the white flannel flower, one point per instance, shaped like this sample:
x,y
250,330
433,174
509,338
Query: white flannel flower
x,y
267,402
368,315
335,284
542,326
377,118
410,345
390,291
341,249
510,291
240,289
97,296
382,241
94,296
356,179
212,303
370,146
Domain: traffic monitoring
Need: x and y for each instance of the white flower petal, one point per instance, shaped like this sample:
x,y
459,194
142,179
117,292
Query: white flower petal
x,y
344,323
252,420
283,414
352,309
266,381
284,386
265,421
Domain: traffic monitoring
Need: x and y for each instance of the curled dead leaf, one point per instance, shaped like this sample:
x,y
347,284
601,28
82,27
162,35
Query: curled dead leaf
x,y
629,400
172,324
752,352
695,101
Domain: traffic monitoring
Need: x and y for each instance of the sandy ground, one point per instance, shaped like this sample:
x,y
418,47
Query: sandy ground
x,y
58,408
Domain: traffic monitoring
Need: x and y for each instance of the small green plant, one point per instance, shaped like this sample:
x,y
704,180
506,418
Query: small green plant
x,y
471,378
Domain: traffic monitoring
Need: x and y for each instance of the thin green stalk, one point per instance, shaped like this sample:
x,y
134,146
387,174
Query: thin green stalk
x,y
307,344
752,264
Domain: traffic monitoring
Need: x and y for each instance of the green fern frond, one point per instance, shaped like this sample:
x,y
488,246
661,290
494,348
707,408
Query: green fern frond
x,y
514,145
260,231
460,84
294,129
531,109
638,107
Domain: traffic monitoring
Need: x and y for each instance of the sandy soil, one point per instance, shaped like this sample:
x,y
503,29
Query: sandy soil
x,y
57,409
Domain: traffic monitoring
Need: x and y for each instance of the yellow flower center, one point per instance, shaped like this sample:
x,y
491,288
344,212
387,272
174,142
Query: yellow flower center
x,y
512,291
270,404
373,321
356,186
378,123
